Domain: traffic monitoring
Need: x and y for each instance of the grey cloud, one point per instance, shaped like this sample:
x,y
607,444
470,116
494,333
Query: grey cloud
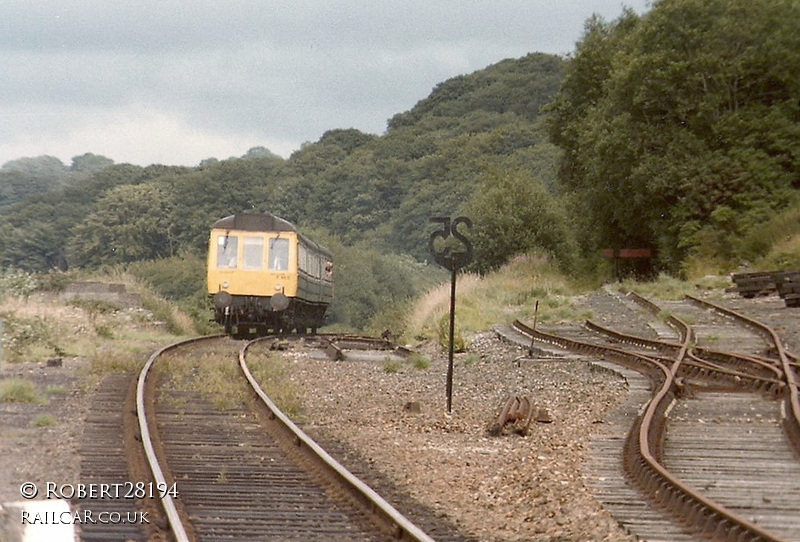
x,y
282,70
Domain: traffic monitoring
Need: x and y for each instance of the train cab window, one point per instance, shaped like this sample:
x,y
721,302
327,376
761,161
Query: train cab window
x,y
278,254
253,253
227,250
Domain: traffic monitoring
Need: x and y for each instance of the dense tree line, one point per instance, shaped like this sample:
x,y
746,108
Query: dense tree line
x,y
26,177
680,128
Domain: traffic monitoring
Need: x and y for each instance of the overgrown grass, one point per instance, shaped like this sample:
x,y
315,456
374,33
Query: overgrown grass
x,y
498,298
784,254
44,420
701,269
664,287
416,362
18,390
213,373
419,361
443,335
39,325
772,245
671,288
110,358
779,235
269,370
391,365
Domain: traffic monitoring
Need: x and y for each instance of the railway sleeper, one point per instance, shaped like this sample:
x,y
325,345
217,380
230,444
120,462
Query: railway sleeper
x,y
792,300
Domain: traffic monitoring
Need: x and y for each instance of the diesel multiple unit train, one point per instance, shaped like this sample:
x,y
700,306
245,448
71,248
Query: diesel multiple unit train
x,y
264,276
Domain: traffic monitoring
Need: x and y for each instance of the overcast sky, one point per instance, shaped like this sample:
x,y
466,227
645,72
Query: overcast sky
x,y
178,81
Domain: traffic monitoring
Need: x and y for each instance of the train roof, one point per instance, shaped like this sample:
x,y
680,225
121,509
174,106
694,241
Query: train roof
x,y
254,222
263,222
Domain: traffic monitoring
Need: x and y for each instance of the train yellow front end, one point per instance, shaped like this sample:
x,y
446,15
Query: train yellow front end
x,y
263,276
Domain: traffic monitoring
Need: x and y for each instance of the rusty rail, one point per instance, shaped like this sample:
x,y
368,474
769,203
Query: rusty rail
x,y
403,529
517,412
642,448
400,527
335,345
756,373
176,525
791,405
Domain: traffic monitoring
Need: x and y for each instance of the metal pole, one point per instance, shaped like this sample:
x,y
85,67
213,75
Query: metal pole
x,y
452,338
535,317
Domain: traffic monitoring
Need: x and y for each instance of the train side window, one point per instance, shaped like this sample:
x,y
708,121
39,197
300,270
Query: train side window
x,y
227,250
278,254
302,258
253,253
312,264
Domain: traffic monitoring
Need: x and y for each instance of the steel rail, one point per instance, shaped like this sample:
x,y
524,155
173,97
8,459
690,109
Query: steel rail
x,y
687,336
683,329
404,528
753,367
702,358
791,407
626,338
770,385
167,502
643,444
768,375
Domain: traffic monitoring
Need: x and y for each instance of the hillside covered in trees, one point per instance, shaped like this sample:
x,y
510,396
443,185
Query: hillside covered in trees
x,y
678,130
691,116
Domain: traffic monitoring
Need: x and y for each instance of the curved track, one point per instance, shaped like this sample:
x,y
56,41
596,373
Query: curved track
x,y
246,472
710,443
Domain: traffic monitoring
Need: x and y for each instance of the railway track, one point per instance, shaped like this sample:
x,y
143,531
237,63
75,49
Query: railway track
x,y
104,461
713,440
242,470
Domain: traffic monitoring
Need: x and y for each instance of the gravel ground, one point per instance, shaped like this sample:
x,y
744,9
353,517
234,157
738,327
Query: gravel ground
x,y
39,442
444,468
490,488
389,424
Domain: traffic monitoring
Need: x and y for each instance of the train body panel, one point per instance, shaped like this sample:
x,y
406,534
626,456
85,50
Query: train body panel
x,y
239,263
263,275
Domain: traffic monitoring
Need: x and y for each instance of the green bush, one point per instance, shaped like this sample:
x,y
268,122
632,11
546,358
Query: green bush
x,y
177,277
515,214
371,285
